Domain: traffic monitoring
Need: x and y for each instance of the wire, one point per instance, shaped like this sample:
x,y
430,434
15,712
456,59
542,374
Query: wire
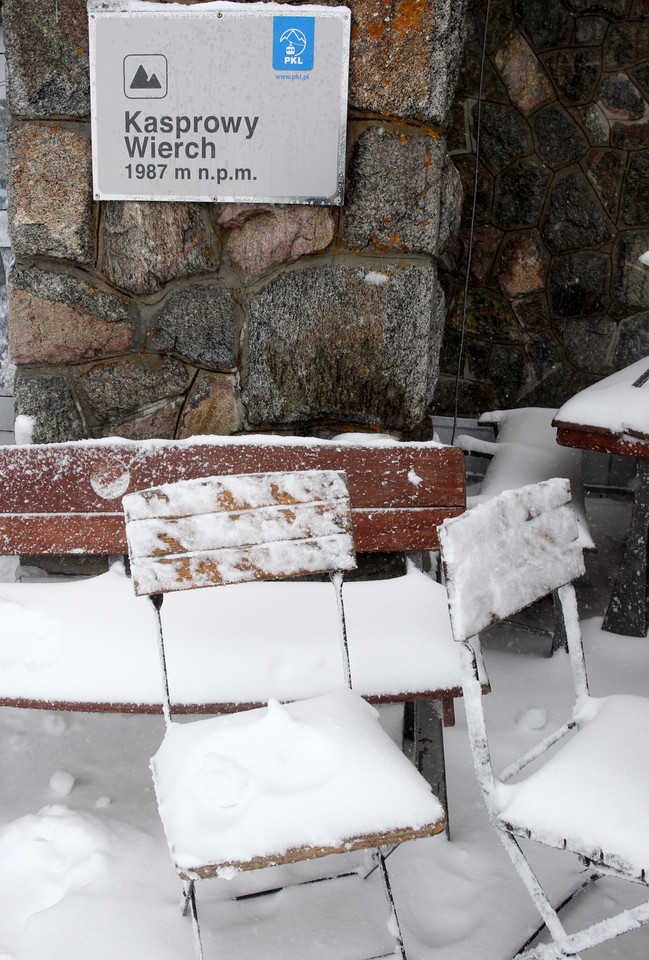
x,y
472,223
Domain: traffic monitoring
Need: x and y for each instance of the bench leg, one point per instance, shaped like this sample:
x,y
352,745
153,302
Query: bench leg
x,y
627,610
429,748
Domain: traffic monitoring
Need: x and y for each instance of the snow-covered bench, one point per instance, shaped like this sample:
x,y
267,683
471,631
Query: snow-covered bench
x,y
86,644
526,451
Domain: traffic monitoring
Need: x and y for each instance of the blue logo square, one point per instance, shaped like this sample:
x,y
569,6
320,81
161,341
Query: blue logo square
x,y
293,41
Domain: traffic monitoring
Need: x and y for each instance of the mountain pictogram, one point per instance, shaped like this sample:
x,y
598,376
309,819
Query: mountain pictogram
x,y
142,80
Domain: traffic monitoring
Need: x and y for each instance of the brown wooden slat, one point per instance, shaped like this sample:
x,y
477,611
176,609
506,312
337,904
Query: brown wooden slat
x,y
296,854
600,440
89,477
374,531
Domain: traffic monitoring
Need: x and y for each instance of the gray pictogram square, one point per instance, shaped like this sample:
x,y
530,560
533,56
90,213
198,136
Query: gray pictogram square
x,y
145,76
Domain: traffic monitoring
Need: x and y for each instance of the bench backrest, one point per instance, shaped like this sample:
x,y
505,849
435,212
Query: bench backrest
x,y
67,498
221,530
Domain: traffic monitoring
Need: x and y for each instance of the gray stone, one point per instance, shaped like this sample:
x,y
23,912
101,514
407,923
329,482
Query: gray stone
x,y
575,218
472,400
588,342
545,353
615,8
641,77
47,57
148,244
559,139
520,192
590,29
484,197
626,44
48,401
115,388
345,346
51,211
631,281
199,323
489,316
532,313
57,318
633,340
555,388
545,21
578,284
575,72
404,193
605,169
635,195
596,123
504,136
620,98
508,372
404,62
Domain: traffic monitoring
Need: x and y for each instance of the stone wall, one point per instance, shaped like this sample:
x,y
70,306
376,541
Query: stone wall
x,y
171,319
556,296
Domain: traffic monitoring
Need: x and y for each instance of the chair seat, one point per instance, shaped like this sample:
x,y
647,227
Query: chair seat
x,y
593,792
90,641
247,790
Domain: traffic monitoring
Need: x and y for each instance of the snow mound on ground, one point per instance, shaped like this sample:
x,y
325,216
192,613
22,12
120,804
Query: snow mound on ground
x,y
45,856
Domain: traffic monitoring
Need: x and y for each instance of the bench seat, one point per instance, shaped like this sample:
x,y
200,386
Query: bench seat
x,y
86,644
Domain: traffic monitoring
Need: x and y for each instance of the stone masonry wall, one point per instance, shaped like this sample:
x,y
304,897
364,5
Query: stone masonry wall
x,y
172,319
557,298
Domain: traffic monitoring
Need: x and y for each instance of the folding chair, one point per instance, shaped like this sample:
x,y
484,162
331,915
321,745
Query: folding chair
x,y
282,783
588,790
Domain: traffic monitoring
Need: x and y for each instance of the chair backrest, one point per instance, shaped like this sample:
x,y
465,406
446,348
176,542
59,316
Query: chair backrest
x,y
503,555
224,530
499,558
235,529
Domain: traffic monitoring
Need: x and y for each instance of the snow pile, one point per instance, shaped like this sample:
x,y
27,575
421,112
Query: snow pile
x,y
313,773
614,403
44,857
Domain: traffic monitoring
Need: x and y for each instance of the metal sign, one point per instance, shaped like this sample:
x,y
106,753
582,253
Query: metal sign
x,y
218,101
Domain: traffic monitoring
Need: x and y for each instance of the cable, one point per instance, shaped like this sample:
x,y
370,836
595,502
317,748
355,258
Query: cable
x,y
472,224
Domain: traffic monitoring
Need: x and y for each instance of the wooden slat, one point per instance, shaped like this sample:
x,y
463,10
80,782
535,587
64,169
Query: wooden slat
x,y
49,501
602,441
248,527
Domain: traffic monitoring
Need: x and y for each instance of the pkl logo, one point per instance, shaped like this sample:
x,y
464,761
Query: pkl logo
x,y
293,43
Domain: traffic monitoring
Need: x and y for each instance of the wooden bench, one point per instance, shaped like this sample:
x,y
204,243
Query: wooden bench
x,y
66,499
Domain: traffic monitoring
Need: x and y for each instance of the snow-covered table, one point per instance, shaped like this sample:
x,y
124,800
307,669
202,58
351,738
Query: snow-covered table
x,y
612,416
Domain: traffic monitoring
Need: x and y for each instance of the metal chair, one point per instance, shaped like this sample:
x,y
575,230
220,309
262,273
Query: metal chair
x,y
283,783
588,791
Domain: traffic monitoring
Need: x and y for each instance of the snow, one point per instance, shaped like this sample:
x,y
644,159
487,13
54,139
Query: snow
x,y
23,428
111,657
293,765
90,873
613,404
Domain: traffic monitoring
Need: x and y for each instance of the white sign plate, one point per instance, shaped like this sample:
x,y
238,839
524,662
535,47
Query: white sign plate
x,y
218,101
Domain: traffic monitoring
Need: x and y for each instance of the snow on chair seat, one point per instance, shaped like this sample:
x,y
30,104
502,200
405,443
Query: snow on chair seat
x,y
589,781
526,451
285,782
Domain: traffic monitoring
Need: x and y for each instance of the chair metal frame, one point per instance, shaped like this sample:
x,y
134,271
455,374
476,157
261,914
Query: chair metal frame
x,y
379,853
569,565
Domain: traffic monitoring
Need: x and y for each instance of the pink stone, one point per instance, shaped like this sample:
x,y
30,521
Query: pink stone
x,y
524,76
44,331
522,267
276,235
210,407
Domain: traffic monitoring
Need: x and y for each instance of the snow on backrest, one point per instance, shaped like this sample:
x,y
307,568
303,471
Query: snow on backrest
x,y
232,529
502,555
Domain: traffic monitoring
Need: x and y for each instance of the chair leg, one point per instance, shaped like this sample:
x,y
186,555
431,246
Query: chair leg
x,y
394,925
189,906
429,748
